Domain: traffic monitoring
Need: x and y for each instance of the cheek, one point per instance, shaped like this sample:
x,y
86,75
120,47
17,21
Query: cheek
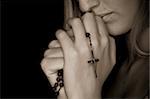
x,y
124,17
120,26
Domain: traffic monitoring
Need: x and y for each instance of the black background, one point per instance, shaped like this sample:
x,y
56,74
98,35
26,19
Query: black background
x,y
27,28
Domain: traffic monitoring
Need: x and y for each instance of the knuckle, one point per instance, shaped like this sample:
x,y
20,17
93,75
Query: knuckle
x,y
53,43
60,33
104,41
46,63
43,64
47,52
46,66
84,50
51,65
53,52
74,53
96,44
75,21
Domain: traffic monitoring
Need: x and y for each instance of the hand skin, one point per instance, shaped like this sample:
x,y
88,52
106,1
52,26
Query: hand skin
x,y
53,61
79,76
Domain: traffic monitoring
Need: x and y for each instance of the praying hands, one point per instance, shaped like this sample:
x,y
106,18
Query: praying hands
x,y
86,60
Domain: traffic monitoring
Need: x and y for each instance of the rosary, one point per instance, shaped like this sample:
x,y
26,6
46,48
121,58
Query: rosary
x,y
59,80
93,60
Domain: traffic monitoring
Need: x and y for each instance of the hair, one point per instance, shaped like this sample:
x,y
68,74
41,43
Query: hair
x,y
71,9
141,23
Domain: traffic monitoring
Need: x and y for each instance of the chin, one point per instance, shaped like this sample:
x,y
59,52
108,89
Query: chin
x,y
117,29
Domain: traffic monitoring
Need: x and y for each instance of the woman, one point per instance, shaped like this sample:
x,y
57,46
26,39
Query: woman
x,y
88,50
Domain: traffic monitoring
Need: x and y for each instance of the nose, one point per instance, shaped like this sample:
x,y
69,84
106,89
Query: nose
x,y
86,5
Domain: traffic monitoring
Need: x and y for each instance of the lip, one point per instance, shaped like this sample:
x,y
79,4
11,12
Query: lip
x,y
106,16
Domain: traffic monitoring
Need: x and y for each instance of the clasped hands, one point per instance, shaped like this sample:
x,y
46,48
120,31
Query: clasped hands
x,y
72,55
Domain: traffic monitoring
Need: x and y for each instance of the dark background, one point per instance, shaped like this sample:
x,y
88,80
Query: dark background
x,y
27,28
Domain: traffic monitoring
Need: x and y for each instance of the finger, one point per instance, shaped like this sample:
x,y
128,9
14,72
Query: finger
x,y
62,94
89,22
102,30
112,50
72,36
86,5
54,43
52,65
52,78
54,52
79,32
65,41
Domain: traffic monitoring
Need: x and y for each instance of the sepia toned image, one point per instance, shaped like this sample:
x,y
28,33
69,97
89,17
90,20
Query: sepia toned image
x,y
76,49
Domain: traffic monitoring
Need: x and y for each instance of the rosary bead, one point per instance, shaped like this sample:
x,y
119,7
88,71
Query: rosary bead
x,y
56,84
60,77
90,44
57,79
60,71
91,61
59,74
96,60
57,93
61,84
87,34
54,88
